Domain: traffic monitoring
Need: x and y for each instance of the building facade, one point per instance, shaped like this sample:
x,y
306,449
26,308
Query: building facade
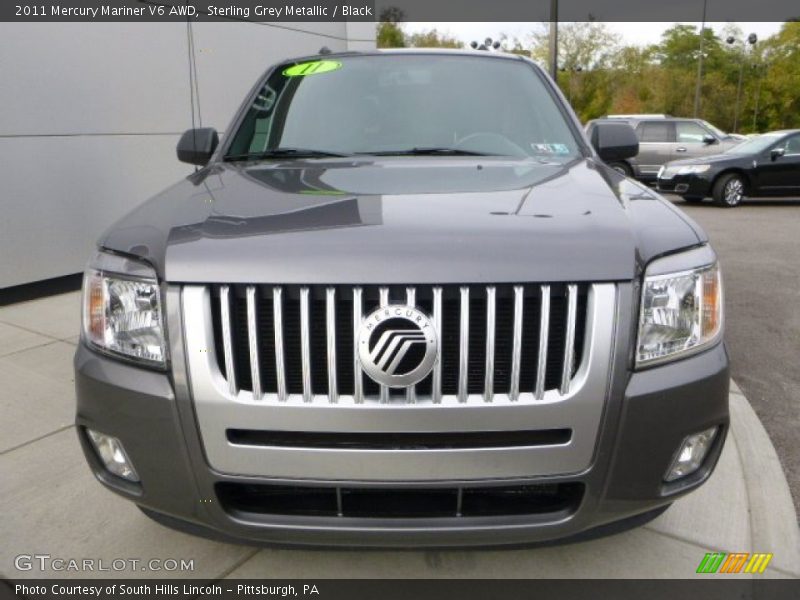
x,y
90,115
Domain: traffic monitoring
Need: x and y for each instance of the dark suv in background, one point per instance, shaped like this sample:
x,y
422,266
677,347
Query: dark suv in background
x,y
663,138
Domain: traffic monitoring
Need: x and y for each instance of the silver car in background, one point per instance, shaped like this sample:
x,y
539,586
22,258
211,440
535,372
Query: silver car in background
x,y
663,138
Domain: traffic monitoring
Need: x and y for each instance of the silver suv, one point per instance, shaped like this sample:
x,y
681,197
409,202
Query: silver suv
x,y
663,138
384,313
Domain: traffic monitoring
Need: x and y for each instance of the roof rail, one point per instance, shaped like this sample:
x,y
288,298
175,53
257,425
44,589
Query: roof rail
x,y
643,116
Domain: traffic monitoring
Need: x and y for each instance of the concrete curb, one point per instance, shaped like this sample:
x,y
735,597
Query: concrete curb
x,y
773,522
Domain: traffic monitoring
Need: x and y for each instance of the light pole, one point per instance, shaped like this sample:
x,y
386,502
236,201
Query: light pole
x,y
554,39
700,64
751,39
761,68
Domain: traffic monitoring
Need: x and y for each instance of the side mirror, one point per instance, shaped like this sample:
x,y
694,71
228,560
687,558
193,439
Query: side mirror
x,y
614,141
709,139
776,153
197,145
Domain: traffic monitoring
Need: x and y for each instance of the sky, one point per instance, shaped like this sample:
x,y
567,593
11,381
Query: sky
x,y
640,34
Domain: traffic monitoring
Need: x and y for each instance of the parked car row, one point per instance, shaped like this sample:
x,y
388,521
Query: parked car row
x,y
768,165
694,159
663,138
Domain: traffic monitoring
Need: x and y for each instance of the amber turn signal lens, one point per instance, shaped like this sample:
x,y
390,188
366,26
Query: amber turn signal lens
x,y
712,302
96,309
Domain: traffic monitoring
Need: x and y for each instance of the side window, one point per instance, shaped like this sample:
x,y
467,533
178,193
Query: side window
x,y
792,146
654,131
688,132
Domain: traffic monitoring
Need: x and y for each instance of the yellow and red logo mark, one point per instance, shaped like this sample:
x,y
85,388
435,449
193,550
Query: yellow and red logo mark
x,y
736,562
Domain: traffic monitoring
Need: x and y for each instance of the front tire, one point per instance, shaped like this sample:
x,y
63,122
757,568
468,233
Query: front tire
x,y
729,190
622,168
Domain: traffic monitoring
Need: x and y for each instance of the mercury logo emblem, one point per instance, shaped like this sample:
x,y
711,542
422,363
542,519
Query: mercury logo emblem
x,y
397,345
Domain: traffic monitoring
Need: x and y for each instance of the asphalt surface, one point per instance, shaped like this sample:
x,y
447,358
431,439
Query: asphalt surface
x,y
758,244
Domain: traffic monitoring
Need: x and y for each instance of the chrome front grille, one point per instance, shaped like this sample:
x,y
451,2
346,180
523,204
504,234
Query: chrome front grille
x,y
284,426
297,343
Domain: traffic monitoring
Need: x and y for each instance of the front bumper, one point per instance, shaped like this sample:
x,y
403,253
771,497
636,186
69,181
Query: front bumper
x,y
685,185
646,416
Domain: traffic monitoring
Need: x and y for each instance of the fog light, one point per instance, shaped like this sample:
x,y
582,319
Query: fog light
x,y
111,452
692,452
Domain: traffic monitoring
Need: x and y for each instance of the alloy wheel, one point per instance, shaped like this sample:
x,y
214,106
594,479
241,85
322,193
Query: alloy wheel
x,y
734,191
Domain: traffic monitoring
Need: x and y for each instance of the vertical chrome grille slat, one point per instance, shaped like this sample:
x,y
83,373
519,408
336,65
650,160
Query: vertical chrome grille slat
x,y
384,301
227,339
252,335
277,320
330,326
463,355
488,385
358,315
305,345
436,378
411,300
516,349
569,341
544,332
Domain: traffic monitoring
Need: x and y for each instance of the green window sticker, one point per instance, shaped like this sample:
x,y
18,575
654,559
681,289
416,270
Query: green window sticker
x,y
312,68
322,192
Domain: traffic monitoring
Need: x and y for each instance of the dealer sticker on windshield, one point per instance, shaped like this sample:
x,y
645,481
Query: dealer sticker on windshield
x,y
550,148
312,68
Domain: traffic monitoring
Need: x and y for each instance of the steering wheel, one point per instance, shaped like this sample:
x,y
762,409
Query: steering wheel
x,y
491,143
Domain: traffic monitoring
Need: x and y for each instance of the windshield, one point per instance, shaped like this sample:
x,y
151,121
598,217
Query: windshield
x,y
756,144
717,131
405,104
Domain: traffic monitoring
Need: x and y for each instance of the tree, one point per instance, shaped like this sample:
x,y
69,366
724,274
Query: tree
x,y
433,38
780,100
586,52
389,32
588,45
514,45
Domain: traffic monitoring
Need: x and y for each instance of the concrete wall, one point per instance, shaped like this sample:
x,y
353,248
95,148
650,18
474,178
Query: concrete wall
x,y
90,115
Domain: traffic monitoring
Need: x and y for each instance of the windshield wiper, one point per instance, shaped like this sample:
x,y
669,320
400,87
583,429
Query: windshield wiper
x,y
427,151
286,152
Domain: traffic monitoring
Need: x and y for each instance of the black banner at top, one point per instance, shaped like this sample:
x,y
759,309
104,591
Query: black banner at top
x,y
410,10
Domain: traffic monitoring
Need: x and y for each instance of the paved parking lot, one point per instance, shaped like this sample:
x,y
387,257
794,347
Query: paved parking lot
x,y
758,244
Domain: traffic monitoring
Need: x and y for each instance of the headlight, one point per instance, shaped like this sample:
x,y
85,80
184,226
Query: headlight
x,y
693,169
667,172
122,309
681,312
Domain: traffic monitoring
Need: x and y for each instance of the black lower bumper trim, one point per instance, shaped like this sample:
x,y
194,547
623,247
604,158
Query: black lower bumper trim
x,y
399,440
380,502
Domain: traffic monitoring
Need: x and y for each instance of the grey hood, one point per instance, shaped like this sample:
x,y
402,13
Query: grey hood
x,y
403,220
